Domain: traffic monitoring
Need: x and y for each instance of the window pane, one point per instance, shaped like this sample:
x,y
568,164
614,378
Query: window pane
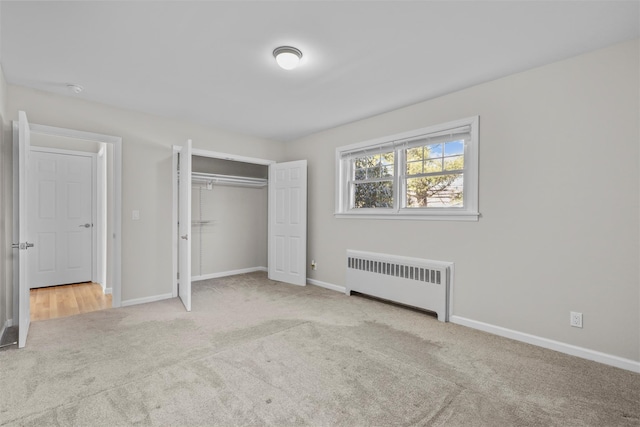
x,y
374,166
433,165
386,164
433,150
414,153
414,167
453,148
373,172
442,191
362,162
454,163
373,195
386,170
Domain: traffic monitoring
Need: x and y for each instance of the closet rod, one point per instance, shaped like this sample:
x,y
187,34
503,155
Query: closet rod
x,y
228,179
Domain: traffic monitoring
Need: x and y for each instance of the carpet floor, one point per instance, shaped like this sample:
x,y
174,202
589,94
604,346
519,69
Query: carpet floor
x,y
256,352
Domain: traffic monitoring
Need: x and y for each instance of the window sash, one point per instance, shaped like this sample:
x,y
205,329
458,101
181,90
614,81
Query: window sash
x,y
405,185
399,180
352,195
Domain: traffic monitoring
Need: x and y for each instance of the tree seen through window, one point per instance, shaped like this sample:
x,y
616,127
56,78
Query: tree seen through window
x,y
434,175
373,181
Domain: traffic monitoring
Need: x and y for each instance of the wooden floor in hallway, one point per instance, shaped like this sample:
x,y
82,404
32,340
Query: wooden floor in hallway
x,y
67,300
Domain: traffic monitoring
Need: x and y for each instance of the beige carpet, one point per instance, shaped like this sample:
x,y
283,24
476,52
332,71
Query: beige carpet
x,y
256,352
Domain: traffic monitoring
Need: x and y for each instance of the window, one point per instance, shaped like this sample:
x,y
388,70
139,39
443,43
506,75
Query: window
x,y
429,173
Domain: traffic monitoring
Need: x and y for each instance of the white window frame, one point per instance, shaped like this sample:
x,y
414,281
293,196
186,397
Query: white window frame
x,y
397,143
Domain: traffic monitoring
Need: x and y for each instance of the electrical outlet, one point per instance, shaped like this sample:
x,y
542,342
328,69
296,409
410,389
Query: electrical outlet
x,y
575,319
314,266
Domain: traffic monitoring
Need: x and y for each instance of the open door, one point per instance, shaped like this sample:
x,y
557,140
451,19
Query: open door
x,y
184,224
288,222
21,243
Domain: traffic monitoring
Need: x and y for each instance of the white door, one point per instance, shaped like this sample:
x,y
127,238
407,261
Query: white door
x,y
22,239
184,224
60,218
288,222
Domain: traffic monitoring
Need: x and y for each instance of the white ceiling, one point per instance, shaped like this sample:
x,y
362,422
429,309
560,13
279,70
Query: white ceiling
x,y
211,62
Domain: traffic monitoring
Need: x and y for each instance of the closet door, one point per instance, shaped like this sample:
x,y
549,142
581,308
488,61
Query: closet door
x,y
184,224
288,222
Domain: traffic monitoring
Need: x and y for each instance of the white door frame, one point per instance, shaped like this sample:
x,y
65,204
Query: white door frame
x,y
95,194
116,209
100,230
174,232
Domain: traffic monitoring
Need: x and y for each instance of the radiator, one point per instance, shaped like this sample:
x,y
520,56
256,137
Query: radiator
x,y
414,282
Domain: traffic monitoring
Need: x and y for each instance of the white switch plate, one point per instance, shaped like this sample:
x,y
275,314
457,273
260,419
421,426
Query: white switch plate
x,y
135,215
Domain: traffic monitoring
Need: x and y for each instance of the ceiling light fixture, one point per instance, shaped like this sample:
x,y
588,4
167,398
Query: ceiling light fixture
x,y
75,88
287,57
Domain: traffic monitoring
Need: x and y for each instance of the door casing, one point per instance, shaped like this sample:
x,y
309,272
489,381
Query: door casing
x,y
116,208
202,153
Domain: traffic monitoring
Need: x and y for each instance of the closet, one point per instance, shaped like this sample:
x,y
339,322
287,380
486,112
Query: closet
x,y
228,216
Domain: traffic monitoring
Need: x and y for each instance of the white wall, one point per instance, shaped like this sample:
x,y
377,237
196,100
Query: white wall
x,y
147,187
559,195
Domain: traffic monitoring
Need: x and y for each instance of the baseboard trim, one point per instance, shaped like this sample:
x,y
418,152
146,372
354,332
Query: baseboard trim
x,y
326,285
227,273
145,300
584,353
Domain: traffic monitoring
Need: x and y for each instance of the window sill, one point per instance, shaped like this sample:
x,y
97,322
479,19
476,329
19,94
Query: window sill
x,y
419,216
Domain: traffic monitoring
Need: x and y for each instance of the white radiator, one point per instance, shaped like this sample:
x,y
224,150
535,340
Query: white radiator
x,y
416,282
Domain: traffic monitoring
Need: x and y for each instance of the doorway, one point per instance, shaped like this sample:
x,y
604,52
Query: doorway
x,y
106,264
67,216
228,217
286,217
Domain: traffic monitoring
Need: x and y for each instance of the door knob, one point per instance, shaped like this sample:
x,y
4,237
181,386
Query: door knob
x,y
22,246
87,225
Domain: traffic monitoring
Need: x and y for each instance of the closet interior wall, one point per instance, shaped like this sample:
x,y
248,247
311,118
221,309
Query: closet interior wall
x,y
229,218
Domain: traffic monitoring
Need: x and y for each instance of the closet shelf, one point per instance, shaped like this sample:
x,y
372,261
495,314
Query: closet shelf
x,y
239,181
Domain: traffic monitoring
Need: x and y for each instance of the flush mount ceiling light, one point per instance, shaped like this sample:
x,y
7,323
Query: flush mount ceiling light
x,y
75,88
287,57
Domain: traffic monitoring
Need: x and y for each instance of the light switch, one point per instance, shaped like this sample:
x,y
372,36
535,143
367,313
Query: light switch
x,y
135,215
